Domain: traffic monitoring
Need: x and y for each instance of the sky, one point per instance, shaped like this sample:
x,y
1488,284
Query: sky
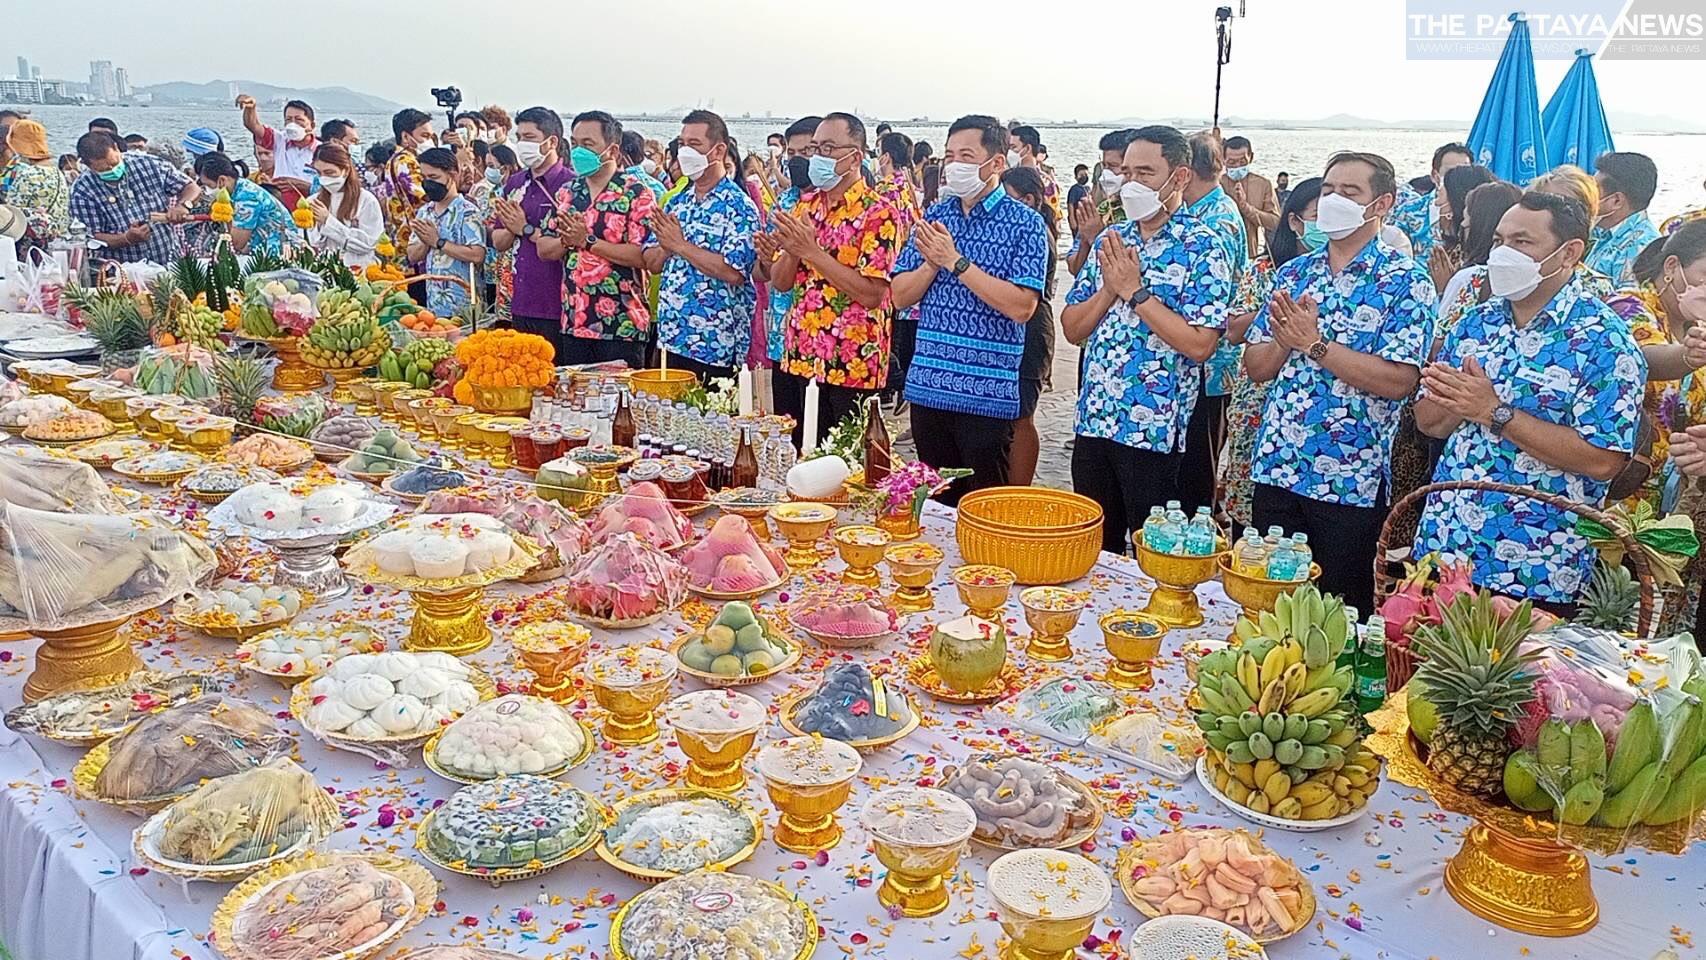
x,y
1077,60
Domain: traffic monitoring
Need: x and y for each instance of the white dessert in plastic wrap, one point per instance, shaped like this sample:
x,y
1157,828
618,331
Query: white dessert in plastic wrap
x,y
680,835
367,696
714,916
241,605
441,546
308,649
510,735
275,506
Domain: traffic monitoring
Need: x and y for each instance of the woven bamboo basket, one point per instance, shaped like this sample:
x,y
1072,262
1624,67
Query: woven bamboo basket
x,y
1044,536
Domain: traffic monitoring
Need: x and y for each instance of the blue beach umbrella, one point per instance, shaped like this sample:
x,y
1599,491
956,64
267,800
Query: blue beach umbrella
x,y
1507,137
1576,129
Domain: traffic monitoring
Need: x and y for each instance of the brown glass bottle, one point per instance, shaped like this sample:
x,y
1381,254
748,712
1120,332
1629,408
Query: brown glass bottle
x,y
746,463
879,450
622,422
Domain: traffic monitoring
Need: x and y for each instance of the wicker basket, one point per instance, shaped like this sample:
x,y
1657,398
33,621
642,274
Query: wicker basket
x,y
1044,536
1401,664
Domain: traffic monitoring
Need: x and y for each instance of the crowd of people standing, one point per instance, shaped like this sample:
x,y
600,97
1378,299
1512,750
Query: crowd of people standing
x,y
1293,354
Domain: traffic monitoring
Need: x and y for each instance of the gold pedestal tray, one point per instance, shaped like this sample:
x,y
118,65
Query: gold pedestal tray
x,y
341,377
292,375
452,623
1256,594
1174,601
1516,869
81,657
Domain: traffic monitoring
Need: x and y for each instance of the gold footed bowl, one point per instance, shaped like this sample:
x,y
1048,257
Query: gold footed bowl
x,y
1053,932
80,657
503,401
664,384
1174,601
452,622
1515,868
808,779
921,856
804,524
861,547
292,375
551,651
1253,593
631,692
341,377
983,588
901,526
912,566
1052,613
1133,640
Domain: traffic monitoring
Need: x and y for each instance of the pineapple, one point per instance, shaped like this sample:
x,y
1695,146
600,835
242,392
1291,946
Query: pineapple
x,y
1610,598
242,381
111,318
1477,682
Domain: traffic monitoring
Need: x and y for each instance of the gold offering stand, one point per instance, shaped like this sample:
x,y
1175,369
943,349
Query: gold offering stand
x,y
1253,593
449,617
293,374
1174,601
81,657
1516,868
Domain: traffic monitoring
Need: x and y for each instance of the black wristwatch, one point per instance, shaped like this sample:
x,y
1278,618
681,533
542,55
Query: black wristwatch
x,y
439,245
529,230
588,242
1141,296
961,266
1502,416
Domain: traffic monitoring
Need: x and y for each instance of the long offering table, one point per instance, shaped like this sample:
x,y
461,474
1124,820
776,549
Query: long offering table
x,y
70,888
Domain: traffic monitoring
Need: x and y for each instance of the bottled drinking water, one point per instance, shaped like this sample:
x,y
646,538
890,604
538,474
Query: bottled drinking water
x,y
1174,528
1251,555
1201,536
1153,537
1272,540
1282,562
1300,548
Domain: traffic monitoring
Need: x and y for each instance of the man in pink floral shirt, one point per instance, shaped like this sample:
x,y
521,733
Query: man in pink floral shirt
x,y
838,246
599,233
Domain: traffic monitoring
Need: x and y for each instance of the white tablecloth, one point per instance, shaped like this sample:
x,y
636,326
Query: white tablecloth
x,y
68,889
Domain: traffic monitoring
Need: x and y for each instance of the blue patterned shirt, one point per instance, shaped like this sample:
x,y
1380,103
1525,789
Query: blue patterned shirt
x,y
264,216
967,354
1137,389
149,185
1614,250
1415,214
1321,437
776,318
700,317
458,223
1575,364
1220,213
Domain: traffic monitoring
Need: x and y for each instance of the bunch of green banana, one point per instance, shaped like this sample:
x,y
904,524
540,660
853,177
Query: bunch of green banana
x,y
1568,776
346,334
1267,786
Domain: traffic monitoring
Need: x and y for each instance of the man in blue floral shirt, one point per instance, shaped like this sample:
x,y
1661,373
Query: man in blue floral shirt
x,y
1209,202
1627,182
704,250
1148,309
1344,338
1417,214
1539,387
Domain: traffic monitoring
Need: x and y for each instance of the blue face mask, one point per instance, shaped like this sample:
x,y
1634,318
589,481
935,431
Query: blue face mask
x,y
1237,173
494,176
113,175
1313,238
823,173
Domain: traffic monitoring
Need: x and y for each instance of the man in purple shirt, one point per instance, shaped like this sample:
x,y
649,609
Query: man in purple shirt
x,y
525,207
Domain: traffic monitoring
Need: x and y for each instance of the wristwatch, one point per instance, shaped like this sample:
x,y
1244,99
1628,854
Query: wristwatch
x,y
1502,416
588,242
529,230
439,245
1141,296
1318,350
961,265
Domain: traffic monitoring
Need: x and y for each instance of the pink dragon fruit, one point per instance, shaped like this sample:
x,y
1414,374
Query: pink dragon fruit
x,y
664,526
731,537
1453,582
625,578
1406,604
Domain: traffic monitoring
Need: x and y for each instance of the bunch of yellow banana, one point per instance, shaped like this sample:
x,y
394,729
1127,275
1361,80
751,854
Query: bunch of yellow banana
x,y
1265,787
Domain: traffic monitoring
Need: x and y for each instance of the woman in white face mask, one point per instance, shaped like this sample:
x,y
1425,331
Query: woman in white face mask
x,y
347,218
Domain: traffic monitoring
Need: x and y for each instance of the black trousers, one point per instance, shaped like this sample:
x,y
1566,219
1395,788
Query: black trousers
x,y
833,402
551,328
905,342
1203,438
583,350
704,371
946,439
1125,481
1341,538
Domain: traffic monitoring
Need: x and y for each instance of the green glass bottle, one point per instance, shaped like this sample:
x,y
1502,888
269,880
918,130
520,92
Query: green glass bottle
x,y
1370,684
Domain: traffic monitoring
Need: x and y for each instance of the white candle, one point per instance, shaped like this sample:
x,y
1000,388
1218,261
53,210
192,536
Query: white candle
x,y
663,359
744,380
810,429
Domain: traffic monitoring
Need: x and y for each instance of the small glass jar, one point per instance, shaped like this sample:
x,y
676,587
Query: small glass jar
x,y
522,448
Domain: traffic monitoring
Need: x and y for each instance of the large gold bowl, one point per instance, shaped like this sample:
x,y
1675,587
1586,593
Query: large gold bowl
x,y
1044,536
666,384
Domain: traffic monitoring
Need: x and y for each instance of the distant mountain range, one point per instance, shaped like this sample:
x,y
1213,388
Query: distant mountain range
x,y
326,100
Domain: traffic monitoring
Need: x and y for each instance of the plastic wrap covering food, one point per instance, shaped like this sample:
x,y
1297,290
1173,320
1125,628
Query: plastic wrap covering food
x,y
554,527
731,559
279,303
645,512
294,414
1063,709
90,716
1160,743
1225,875
709,914
512,823
853,706
845,616
343,434
1599,734
33,409
340,910
183,369
513,734
1020,802
273,810
36,479
61,570
297,509
625,580
381,704
167,754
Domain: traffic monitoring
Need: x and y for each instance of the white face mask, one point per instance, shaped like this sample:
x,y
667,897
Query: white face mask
x,y
1513,274
294,132
650,166
693,163
1339,216
961,179
332,184
1012,158
1111,181
530,154
1140,201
